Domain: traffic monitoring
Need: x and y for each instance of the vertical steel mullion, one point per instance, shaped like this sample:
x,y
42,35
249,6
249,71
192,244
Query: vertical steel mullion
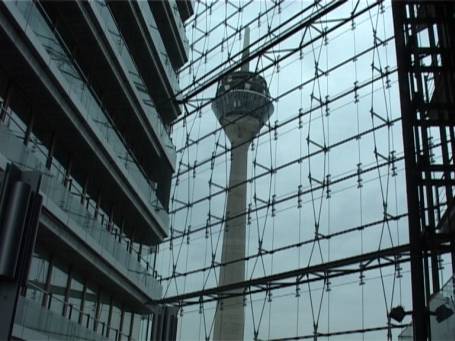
x,y
423,163
438,205
446,162
428,174
446,36
419,315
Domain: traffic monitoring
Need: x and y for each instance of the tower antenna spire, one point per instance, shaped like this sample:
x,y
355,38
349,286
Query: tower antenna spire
x,y
246,50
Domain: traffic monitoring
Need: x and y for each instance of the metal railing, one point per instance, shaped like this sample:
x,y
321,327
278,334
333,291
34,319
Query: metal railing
x,y
42,319
92,221
117,41
158,43
63,64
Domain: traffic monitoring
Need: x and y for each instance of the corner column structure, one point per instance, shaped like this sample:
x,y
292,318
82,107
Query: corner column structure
x,y
242,106
425,39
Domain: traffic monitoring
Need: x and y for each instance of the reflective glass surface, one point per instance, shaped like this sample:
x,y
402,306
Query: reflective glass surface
x,y
75,298
37,275
114,35
115,321
105,302
57,288
62,64
82,218
158,43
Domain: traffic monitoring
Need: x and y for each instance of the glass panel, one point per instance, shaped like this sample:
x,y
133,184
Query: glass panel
x,y
69,200
60,59
158,43
104,313
37,277
75,299
135,332
53,185
115,321
57,289
31,317
126,323
91,299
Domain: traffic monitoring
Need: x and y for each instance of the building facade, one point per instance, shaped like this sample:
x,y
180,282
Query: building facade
x,y
87,95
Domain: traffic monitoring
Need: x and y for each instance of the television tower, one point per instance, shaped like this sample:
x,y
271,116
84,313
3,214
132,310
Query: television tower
x,y
242,106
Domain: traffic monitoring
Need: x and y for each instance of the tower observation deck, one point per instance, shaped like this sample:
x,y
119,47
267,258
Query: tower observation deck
x,y
242,105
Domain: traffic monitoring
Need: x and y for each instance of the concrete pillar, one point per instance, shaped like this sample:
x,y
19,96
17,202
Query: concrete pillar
x,y
229,319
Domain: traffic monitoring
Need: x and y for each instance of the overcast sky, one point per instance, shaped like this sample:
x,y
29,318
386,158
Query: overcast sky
x,y
347,305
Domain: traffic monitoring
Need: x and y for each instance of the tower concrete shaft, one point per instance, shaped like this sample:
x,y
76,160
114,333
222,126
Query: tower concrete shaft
x,y
240,129
242,106
229,318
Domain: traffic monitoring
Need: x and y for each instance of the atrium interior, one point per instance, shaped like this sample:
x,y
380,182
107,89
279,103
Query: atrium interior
x,y
227,170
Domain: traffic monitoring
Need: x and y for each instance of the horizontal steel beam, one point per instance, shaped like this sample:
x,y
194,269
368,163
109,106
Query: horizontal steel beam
x,y
323,271
330,269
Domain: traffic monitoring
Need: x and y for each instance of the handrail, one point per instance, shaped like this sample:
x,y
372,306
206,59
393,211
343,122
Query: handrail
x,y
113,228
93,94
108,20
66,304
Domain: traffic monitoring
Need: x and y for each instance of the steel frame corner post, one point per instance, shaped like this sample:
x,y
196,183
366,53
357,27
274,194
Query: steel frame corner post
x,y
424,63
415,230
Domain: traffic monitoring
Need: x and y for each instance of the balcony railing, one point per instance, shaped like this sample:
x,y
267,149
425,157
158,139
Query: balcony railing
x,y
118,44
36,321
90,223
179,24
158,43
63,65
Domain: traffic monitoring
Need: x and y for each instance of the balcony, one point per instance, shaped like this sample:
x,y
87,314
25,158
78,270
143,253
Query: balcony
x,y
140,30
63,211
172,30
99,234
186,9
34,322
92,35
84,119
120,48
154,33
